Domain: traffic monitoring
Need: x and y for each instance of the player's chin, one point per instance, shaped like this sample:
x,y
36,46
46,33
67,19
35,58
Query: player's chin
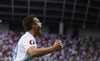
x,y
39,33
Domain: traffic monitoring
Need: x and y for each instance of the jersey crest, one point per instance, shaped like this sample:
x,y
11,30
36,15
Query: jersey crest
x,y
31,42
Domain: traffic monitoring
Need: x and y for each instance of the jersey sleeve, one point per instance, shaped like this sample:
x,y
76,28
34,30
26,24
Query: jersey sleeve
x,y
29,42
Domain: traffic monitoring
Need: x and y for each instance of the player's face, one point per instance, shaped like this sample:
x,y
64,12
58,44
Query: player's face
x,y
38,26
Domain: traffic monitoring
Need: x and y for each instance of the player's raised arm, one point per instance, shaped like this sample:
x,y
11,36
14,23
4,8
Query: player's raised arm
x,y
34,52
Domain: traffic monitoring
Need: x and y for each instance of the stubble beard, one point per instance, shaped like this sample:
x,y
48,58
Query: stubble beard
x,y
38,32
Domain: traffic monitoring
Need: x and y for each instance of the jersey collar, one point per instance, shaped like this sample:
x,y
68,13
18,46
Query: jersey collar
x,y
28,33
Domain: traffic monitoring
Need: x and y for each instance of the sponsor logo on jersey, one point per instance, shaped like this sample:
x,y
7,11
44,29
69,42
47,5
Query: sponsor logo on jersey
x,y
31,42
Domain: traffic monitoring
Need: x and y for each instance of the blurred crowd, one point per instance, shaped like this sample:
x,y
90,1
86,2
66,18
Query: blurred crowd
x,y
75,48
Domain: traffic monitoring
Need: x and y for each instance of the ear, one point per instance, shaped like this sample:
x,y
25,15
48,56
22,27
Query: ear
x,y
33,26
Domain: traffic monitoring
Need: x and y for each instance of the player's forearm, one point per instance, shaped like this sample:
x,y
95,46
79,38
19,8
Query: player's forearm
x,y
43,51
33,51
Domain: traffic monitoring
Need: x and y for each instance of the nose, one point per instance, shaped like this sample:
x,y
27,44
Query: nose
x,y
40,24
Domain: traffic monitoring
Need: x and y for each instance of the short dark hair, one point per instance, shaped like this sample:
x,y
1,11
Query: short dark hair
x,y
28,22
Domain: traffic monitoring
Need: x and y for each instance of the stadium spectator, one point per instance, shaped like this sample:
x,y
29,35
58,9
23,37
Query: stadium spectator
x,y
89,47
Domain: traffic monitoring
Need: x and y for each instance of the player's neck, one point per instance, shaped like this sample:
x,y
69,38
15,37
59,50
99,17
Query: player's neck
x,y
32,32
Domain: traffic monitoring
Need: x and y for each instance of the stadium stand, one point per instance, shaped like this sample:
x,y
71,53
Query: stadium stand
x,y
79,48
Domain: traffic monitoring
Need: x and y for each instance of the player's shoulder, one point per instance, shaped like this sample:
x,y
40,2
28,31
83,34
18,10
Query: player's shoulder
x,y
27,37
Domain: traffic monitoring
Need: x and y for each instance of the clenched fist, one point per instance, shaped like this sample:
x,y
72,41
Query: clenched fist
x,y
57,45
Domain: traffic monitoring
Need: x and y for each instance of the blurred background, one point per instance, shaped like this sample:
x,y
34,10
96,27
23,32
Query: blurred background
x,y
75,22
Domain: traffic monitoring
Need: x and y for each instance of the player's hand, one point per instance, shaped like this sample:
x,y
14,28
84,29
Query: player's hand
x,y
57,45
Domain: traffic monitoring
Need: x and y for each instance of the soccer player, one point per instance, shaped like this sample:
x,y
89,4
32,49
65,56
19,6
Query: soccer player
x,y
26,48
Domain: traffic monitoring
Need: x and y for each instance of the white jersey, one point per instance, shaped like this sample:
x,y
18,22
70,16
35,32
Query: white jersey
x,y
26,41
